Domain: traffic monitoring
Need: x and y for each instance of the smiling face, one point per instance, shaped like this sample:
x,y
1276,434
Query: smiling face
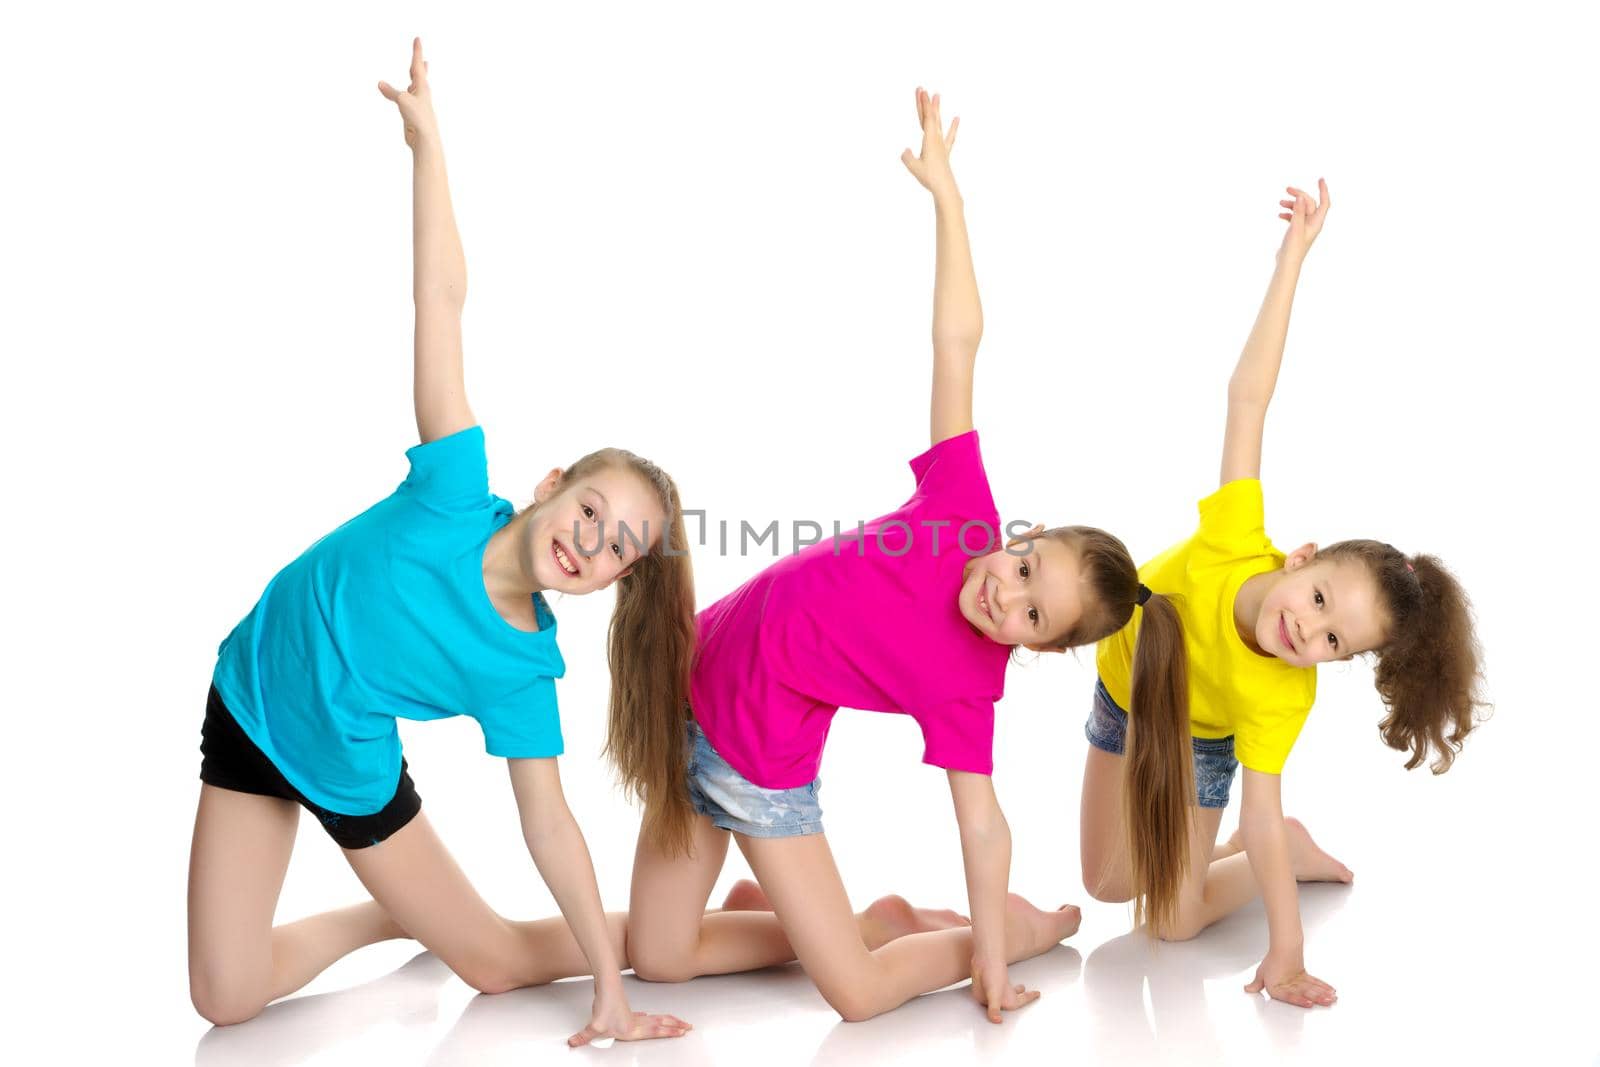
x,y
585,535
1031,600
1320,610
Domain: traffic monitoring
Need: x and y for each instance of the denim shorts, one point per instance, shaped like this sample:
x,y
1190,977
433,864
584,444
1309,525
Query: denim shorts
x,y
735,803
1107,730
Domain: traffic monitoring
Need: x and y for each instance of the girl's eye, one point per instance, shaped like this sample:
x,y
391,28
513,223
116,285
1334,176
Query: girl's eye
x,y
617,549
1033,615
1316,596
1024,572
1333,641
588,512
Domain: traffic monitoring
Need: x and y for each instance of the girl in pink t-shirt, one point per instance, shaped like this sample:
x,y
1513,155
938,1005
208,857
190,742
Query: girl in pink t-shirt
x,y
916,613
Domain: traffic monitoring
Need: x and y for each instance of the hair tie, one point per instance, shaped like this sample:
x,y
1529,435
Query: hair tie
x,y
1410,568
1144,593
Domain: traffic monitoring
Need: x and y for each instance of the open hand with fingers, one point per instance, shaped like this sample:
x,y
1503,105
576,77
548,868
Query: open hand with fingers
x,y
991,987
931,165
416,103
1286,979
613,1020
1304,216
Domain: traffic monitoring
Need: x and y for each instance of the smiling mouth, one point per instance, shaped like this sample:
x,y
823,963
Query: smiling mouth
x,y
563,560
983,601
1283,632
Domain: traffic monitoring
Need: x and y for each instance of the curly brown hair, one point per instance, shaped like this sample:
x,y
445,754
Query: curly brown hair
x,y
1429,669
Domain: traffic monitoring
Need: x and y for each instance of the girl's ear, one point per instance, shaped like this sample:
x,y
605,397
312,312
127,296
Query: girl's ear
x,y
547,488
1300,556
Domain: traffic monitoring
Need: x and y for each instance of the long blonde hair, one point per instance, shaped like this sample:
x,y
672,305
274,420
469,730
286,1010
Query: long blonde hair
x,y
650,647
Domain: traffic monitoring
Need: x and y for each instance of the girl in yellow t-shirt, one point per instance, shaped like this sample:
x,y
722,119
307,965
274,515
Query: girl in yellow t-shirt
x,y
1218,668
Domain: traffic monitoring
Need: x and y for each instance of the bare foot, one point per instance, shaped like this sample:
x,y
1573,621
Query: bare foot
x,y
1041,929
893,916
1310,863
746,896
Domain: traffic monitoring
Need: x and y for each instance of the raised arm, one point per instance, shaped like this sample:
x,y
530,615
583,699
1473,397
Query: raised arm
x,y
1255,377
439,268
957,315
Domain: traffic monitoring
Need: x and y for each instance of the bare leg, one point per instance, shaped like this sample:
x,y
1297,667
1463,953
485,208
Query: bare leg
x,y
1310,863
883,920
415,879
672,938
238,962
799,875
1220,881
1102,837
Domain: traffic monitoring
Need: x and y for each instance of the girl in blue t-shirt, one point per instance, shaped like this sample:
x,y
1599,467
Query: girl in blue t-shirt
x,y
426,605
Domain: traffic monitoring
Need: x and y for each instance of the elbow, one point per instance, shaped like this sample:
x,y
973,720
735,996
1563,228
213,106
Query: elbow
x,y
987,831
449,293
1255,827
1245,395
962,344
547,832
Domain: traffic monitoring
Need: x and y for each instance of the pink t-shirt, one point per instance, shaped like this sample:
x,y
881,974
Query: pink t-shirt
x,y
866,622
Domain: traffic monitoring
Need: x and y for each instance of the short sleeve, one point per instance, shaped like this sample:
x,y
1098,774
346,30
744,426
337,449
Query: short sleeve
x,y
450,473
1263,741
959,736
527,726
1232,520
951,480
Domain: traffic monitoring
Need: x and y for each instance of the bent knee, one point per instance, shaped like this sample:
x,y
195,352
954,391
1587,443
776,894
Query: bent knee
x,y
222,1004
657,965
1106,892
1185,929
853,1005
491,978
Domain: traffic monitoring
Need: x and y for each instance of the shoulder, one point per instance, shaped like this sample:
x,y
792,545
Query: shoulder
x,y
958,451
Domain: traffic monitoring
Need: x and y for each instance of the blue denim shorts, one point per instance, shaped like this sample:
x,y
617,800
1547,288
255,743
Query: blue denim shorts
x,y
735,803
1107,730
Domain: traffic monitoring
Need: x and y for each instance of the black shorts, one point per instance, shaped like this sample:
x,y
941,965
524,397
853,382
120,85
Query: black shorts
x,y
230,760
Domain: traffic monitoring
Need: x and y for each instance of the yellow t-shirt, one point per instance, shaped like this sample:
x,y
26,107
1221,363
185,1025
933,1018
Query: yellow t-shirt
x,y
1260,700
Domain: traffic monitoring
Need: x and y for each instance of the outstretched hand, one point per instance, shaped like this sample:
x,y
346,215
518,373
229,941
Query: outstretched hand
x,y
416,103
1287,980
1304,217
992,989
931,166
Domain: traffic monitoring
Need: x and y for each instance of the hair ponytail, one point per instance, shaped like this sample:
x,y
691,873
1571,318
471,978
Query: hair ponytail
x,y
1158,777
650,646
1158,780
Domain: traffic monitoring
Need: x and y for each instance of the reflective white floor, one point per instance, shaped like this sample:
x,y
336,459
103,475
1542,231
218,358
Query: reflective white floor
x,y
1110,998
655,215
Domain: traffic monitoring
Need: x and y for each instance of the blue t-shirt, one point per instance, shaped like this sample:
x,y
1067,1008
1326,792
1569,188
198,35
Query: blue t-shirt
x,y
385,618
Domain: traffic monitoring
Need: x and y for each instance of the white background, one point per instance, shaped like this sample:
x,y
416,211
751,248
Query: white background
x,y
689,234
